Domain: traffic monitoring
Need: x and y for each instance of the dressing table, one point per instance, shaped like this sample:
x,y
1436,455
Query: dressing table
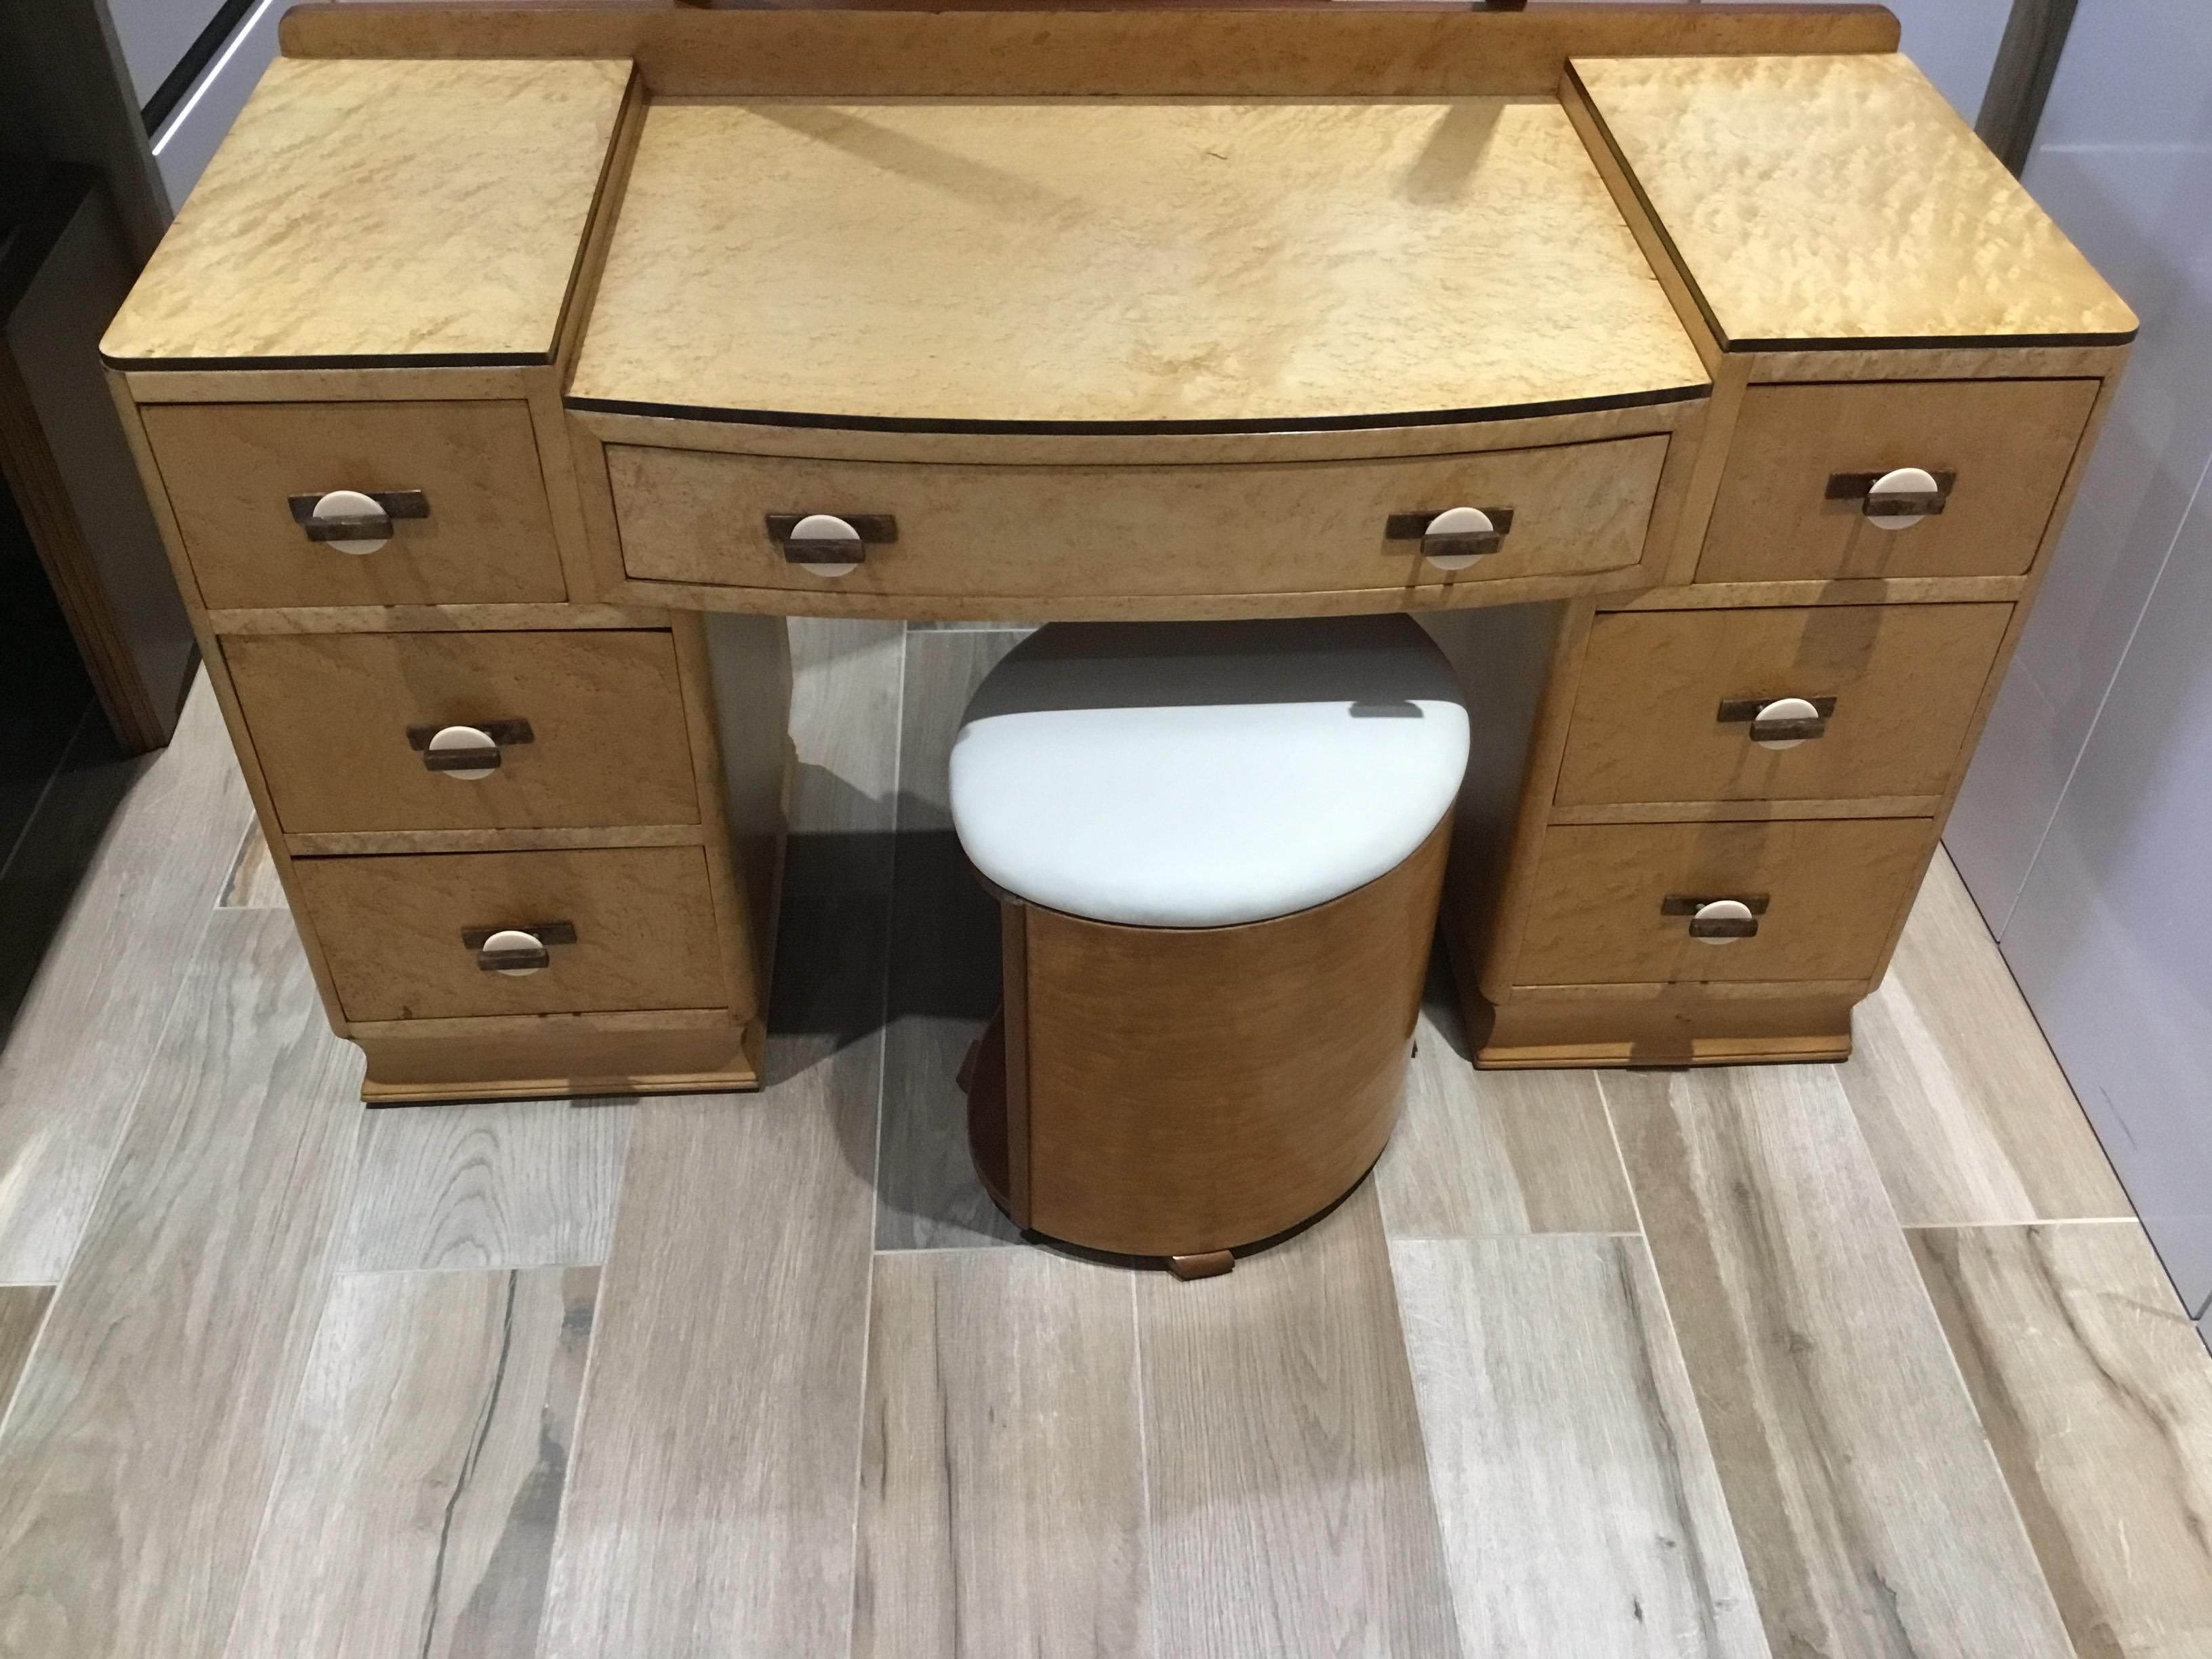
x,y
1700,380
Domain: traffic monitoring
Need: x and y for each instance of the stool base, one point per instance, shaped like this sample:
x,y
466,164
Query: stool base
x,y
1209,1266
982,1076
1181,1093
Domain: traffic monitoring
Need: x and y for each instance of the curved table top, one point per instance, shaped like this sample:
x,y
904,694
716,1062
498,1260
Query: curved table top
x,y
1180,265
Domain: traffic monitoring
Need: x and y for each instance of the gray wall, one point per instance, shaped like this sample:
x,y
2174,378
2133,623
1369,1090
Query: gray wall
x,y
153,35
2081,828
187,139
1955,44
63,96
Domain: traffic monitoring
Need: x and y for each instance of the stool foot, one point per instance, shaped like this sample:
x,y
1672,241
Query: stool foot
x,y
1205,1265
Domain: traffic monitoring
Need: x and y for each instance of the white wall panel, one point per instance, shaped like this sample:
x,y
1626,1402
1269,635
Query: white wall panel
x,y
187,141
2139,214
155,35
2084,828
1955,44
2134,73
2111,939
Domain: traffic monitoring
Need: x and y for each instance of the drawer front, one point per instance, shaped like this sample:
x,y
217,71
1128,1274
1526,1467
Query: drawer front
x,y
392,930
1121,531
1832,890
232,470
1649,720
338,721
2006,445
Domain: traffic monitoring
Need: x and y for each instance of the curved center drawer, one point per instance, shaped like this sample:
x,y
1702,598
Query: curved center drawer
x,y
1078,531
588,728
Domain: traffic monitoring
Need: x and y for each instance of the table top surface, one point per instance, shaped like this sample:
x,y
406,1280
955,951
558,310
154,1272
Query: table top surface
x,y
1839,200
1161,264
366,211
1127,263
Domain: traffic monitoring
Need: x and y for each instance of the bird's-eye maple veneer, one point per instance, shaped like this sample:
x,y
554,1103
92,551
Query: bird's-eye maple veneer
x,y
511,375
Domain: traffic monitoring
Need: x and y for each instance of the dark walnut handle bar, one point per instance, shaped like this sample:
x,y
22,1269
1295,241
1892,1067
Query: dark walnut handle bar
x,y
1414,527
1859,486
396,503
504,734
1736,711
876,529
1688,904
545,933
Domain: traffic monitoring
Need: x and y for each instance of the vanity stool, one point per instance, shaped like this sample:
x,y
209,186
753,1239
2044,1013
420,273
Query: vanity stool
x,y
1218,848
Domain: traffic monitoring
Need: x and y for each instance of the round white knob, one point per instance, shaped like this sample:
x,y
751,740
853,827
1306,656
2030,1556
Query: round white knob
x,y
1784,708
1720,910
827,527
514,939
1458,521
1905,481
474,738
352,504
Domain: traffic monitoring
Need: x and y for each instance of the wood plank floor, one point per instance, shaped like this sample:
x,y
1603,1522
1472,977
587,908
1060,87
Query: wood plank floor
x,y
89,1026
1848,1361
251,883
145,1431
1003,1432
849,679
1966,1110
415,1512
1562,1428
1871,1513
1480,1153
22,1312
511,1184
1291,1507
944,965
711,1503
2093,1385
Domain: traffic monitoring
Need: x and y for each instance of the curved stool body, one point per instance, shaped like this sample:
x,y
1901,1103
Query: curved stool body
x,y
1162,1089
1179,1091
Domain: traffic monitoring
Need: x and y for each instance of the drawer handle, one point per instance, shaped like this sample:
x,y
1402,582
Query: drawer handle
x,y
356,521
1717,920
829,545
1453,538
1896,500
467,752
518,951
1779,722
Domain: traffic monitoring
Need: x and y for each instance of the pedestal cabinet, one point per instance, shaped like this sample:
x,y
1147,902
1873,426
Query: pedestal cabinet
x,y
1710,390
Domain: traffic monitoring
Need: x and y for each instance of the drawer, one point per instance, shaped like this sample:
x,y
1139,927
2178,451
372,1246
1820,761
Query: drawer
x,y
392,930
590,727
1120,531
232,470
1904,680
2006,445
1832,888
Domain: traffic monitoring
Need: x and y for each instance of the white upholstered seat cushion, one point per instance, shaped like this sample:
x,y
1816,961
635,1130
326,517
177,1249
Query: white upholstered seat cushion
x,y
1198,774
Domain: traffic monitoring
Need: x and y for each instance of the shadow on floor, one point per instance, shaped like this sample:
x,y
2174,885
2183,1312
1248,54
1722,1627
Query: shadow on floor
x,y
41,874
943,956
921,965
